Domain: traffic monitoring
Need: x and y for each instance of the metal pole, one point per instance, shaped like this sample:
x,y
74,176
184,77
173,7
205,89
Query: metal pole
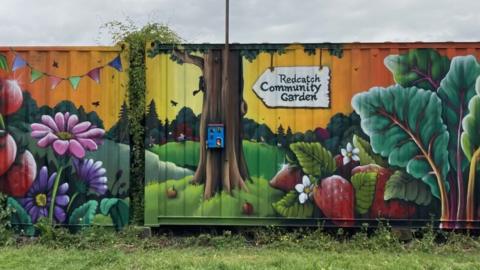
x,y
226,23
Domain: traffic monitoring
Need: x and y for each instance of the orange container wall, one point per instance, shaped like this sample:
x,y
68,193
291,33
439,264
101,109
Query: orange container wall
x,y
69,131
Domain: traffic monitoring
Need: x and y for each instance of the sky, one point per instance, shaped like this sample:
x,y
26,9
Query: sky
x,y
61,22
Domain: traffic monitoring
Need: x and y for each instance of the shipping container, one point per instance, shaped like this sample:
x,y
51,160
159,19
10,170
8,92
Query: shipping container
x,y
64,142
312,134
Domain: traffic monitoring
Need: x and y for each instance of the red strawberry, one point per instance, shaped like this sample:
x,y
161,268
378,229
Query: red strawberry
x,y
392,209
345,169
287,178
334,196
17,181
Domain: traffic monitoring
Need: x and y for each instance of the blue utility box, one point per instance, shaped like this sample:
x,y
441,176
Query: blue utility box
x,y
215,136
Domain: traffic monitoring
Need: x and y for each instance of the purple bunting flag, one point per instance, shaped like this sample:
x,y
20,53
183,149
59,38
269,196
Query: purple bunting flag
x,y
94,74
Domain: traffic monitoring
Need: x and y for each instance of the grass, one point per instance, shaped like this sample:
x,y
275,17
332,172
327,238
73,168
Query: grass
x,y
248,248
229,258
189,200
263,160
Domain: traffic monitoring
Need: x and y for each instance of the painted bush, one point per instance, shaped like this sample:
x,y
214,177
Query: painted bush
x,y
400,146
59,163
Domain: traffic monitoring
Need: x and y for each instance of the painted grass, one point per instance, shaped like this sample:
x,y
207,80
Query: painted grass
x,y
126,257
263,160
189,200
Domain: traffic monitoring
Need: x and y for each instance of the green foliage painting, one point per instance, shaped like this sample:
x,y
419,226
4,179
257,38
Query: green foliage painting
x,y
432,132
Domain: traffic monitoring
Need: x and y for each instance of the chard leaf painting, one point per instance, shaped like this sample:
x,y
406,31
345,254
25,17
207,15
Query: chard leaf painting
x,y
405,125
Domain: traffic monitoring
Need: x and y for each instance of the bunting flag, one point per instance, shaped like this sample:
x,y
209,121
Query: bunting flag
x,y
75,81
35,75
94,74
3,62
18,62
116,63
54,80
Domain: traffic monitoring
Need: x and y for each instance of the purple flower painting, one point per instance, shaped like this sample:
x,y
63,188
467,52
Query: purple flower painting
x,y
92,174
38,198
67,135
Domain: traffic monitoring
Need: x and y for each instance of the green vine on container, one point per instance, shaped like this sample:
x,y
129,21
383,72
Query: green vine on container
x,y
133,39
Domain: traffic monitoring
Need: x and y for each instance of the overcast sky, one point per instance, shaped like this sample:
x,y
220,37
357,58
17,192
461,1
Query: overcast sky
x,y
62,22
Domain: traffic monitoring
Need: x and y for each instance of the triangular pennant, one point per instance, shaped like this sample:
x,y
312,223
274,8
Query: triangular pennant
x,y
54,81
74,81
3,62
116,63
18,62
94,74
35,75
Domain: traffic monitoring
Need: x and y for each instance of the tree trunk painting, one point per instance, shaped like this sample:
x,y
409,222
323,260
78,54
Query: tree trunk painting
x,y
220,169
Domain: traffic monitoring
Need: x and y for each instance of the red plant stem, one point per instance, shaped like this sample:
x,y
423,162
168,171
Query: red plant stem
x,y
453,195
427,77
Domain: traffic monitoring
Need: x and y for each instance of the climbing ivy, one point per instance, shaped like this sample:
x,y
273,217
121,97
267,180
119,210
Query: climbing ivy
x,y
133,39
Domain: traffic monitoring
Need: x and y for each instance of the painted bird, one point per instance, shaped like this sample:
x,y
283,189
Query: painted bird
x,y
201,85
96,103
55,64
174,103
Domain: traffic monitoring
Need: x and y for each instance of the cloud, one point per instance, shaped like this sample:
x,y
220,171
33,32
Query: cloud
x,y
59,22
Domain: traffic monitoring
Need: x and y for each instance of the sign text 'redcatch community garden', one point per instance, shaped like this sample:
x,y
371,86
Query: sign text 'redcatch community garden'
x,y
295,87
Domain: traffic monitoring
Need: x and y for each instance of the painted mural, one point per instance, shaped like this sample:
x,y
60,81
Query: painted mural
x,y
64,137
316,133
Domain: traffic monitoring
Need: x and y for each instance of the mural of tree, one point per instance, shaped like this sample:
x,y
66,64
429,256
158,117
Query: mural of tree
x,y
222,103
222,86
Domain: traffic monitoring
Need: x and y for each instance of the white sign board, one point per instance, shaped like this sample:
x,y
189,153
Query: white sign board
x,y
294,87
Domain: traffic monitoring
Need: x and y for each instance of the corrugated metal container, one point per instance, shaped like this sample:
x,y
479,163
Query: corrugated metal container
x,y
333,134
64,134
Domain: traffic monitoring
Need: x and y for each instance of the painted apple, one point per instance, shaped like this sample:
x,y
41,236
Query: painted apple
x,y
19,178
171,192
287,178
247,209
11,97
8,151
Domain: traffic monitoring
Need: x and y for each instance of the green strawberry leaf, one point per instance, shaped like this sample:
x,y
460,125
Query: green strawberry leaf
x,y
423,68
364,185
20,218
314,158
470,138
117,209
84,214
405,125
404,187
289,206
3,62
456,90
366,155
